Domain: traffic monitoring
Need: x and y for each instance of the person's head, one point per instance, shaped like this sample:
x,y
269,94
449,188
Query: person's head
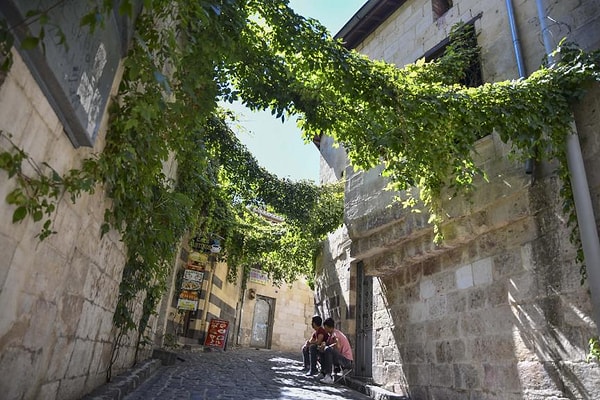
x,y
316,321
329,324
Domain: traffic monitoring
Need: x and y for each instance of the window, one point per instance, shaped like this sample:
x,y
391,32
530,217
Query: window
x,y
473,76
440,7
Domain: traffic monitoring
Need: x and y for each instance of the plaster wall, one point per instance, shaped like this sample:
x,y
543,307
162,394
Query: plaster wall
x,y
224,298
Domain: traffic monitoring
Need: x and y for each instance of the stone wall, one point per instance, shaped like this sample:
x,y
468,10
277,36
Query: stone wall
x,y
218,299
335,284
58,296
497,311
293,309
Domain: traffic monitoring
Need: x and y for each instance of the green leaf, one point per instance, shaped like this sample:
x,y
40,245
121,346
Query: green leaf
x,y
104,229
56,177
19,214
126,8
7,63
37,215
30,42
32,13
15,197
5,160
88,19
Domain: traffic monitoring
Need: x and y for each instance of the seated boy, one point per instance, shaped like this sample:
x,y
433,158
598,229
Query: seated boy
x,y
335,351
310,348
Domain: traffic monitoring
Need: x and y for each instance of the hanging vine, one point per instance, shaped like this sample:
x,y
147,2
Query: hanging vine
x,y
187,56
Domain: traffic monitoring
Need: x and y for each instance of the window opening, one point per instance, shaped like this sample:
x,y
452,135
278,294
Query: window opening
x,y
472,74
440,7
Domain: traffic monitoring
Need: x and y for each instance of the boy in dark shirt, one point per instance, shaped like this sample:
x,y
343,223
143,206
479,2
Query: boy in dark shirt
x,y
310,348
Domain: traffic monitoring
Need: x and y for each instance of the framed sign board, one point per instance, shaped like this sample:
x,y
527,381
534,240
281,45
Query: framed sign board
x,y
187,305
188,300
76,76
217,333
193,275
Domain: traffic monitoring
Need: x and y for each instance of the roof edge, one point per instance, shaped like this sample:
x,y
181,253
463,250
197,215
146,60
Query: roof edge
x,y
368,18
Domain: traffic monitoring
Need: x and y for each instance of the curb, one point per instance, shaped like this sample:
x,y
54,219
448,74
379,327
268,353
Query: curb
x,y
125,383
377,393
374,392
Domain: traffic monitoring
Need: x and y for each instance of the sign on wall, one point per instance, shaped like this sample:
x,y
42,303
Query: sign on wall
x,y
75,76
257,276
188,300
193,275
191,284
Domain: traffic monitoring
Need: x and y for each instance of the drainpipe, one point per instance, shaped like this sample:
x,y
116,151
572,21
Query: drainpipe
x,y
530,163
581,193
515,38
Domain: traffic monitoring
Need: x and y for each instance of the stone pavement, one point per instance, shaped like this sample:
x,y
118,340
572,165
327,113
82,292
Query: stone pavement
x,y
238,373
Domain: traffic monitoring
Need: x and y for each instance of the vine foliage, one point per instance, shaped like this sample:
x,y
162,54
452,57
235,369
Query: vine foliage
x,y
188,56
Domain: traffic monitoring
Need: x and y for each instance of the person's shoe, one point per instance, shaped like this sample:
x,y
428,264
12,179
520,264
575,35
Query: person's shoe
x,y
327,379
336,370
311,373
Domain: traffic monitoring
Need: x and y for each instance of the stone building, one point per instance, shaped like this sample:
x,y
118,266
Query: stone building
x,y
497,311
276,317
260,314
58,296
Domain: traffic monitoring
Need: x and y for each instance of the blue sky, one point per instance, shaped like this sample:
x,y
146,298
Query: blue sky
x,y
278,146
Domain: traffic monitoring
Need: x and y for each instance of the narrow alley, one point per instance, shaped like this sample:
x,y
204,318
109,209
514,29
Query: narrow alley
x,y
239,373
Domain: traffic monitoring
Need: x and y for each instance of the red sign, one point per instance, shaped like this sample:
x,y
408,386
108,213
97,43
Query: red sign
x,y
217,333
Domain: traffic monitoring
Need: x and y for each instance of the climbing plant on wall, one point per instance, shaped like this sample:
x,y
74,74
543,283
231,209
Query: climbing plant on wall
x,y
160,112
186,56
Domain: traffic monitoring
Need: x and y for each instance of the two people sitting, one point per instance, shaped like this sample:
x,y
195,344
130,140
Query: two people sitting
x,y
330,346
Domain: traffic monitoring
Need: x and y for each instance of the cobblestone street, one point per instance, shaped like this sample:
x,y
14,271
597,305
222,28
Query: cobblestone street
x,y
249,374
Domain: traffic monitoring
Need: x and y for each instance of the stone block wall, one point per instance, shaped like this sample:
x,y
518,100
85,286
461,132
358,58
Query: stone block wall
x,y
293,309
335,284
58,296
502,316
497,310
